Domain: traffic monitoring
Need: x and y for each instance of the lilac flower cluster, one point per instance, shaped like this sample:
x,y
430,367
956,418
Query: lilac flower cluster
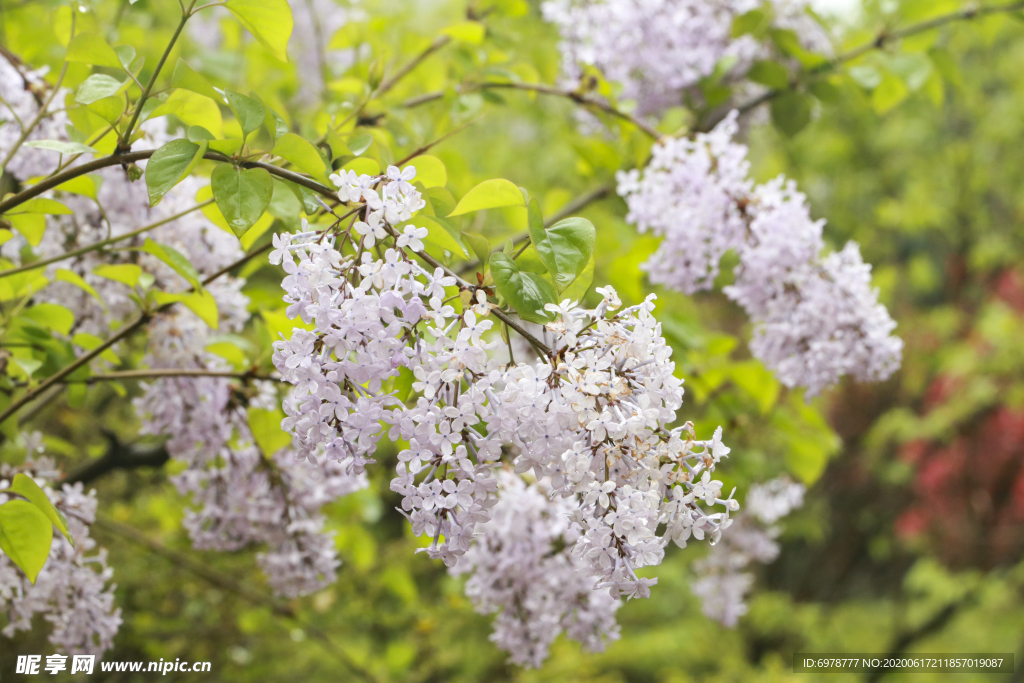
x,y
591,415
723,580
519,568
816,316
658,49
73,590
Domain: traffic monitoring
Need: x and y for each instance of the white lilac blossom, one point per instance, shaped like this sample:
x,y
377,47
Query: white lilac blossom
x,y
722,580
22,94
593,416
519,567
73,590
815,315
658,49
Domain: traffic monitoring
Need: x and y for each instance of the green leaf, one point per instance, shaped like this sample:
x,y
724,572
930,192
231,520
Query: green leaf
x,y
126,55
168,166
444,235
31,225
188,78
430,171
96,87
128,273
241,195
360,143
90,48
772,74
480,246
198,134
581,285
755,22
109,109
363,166
24,485
791,112
565,247
74,278
25,536
53,316
489,194
302,154
466,31
201,303
249,112
890,92
193,109
230,352
269,21
61,146
84,185
526,292
760,383
174,258
265,426
90,341
41,205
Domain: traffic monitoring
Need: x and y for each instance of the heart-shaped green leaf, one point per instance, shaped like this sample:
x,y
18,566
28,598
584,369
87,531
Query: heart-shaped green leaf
x,y
526,292
25,536
242,195
565,247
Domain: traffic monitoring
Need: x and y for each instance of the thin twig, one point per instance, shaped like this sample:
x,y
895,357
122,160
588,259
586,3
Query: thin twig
x,y
153,373
99,245
404,70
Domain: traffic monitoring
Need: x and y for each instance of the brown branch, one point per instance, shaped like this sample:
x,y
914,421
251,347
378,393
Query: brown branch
x,y
130,157
99,245
119,456
543,89
155,373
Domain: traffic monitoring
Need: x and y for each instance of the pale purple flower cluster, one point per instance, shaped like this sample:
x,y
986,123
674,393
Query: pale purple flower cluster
x,y
519,568
723,578
592,418
815,316
73,590
658,49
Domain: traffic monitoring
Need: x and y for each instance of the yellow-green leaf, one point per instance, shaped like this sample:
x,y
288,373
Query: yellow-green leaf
x,y
490,194
25,536
429,170
90,341
42,205
466,31
302,154
128,273
188,78
193,109
265,426
74,278
24,485
53,316
269,21
90,48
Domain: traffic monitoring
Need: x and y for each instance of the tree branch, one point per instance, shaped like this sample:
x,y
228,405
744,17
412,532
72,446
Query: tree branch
x,y
154,373
118,457
99,245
